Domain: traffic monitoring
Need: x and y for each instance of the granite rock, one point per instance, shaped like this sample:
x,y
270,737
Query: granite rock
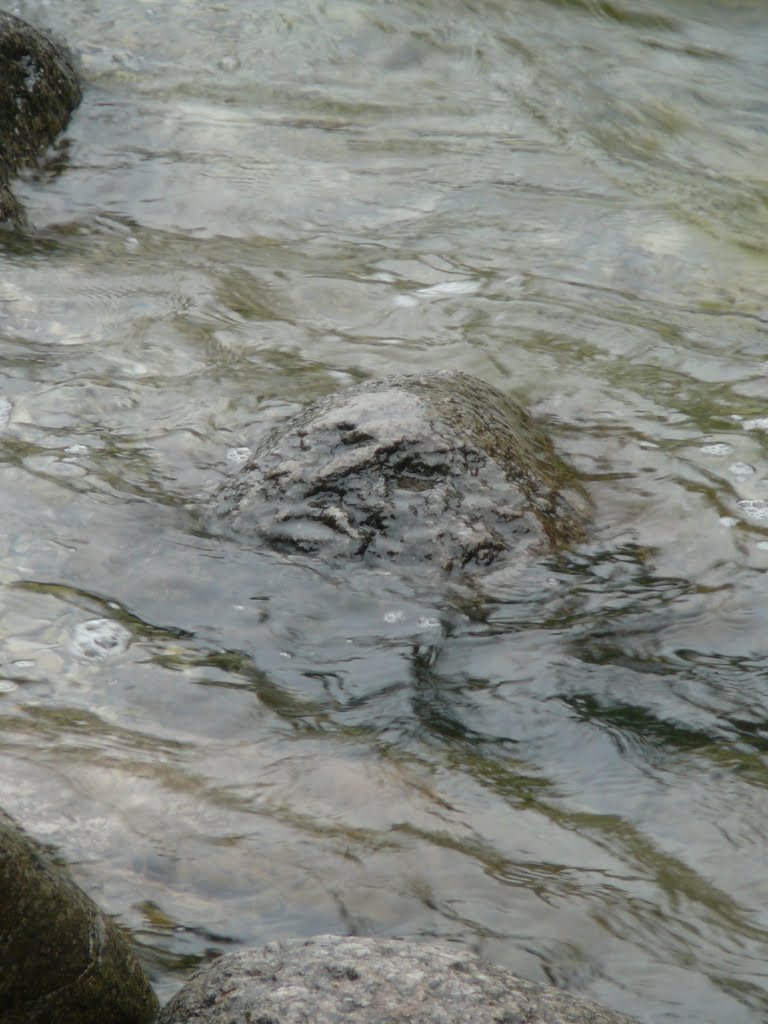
x,y
332,979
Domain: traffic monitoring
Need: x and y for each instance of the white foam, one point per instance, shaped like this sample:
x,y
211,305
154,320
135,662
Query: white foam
x,y
754,508
237,456
8,686
449,288
429,623
760,423
742,469
99,638
719,448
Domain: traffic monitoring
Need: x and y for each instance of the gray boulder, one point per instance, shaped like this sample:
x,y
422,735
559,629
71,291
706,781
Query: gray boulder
x,y
331,979
39,89
61,960
435,467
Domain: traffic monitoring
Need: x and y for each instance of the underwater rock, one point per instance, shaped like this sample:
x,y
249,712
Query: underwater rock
x,y
434,468
39,89
330,978
61,960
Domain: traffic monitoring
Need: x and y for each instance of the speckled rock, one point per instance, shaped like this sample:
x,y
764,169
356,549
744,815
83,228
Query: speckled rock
x,y
39,89
61,960
436,468
332,979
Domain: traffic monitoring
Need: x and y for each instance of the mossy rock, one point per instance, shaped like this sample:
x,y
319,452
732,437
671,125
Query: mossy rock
x,y
436,468
39,89
61,960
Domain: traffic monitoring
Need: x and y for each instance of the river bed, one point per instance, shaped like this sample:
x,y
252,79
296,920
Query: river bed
x,y
562,769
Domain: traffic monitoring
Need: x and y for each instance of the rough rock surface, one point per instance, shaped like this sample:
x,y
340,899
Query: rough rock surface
x,y
39,89
61,960
331,979
436,467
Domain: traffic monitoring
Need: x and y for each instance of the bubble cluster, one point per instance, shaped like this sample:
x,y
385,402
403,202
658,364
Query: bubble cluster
x,y
99,638
720,448
754,508
237,456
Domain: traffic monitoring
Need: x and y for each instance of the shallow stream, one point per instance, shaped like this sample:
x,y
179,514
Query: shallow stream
x,y
563,769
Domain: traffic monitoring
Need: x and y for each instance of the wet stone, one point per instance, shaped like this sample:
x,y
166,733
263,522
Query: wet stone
x,y
62,959
39,89
436,467
331,978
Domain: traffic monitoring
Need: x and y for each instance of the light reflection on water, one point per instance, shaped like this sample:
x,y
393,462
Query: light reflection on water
x,y
562,768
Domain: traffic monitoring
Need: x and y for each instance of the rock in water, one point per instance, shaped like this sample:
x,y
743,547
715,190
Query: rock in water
x,y
435,467
39,89
331,979
61,960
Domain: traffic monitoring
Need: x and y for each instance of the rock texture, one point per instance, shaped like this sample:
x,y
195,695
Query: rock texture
x,y
61,960
39,89
435,467
332,979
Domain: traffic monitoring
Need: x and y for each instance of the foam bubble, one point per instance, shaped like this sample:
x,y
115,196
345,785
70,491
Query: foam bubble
x,y
426,622
99,638
396,615
720,448
237,456
728,521
754,508
742,469
760,423
229,63
8,686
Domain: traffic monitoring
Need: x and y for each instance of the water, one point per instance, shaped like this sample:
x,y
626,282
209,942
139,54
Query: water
x,y
563,769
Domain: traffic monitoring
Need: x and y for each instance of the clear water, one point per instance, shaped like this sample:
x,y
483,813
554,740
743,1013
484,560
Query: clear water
x,y
563,769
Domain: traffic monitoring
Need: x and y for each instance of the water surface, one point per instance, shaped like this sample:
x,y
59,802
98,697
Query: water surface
x,y
563,769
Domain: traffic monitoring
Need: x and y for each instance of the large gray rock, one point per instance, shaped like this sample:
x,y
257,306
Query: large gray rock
x,y
61,960
39,89
331,979
435,467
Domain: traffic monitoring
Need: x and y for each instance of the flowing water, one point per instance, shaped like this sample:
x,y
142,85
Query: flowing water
x,y
563,769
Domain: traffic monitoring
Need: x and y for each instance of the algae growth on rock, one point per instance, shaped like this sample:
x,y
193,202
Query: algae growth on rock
x,y
39,89
61,959
435,467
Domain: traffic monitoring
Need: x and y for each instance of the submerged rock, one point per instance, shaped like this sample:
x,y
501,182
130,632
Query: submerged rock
x,y
61,960
330,979
39,89
435,467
